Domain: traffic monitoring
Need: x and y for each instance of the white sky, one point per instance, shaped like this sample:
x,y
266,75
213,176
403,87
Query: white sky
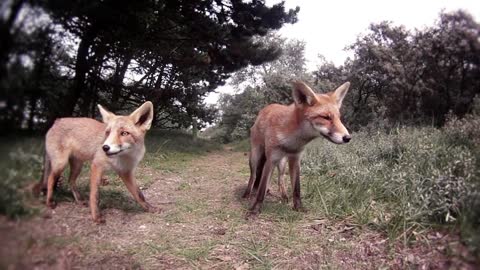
x,y
327,27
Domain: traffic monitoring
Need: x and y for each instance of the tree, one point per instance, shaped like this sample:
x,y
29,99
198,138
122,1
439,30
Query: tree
x,y
194,40
172,52
451,55
404,77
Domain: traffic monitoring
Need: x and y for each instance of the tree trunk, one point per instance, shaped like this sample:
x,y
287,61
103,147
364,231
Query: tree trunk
x,y
33,104
82,66
194,129
118,79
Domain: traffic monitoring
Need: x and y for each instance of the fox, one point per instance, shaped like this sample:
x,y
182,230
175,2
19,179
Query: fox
x,y
116,143
280,134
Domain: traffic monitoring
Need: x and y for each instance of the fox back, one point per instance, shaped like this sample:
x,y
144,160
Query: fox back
x,y
78,138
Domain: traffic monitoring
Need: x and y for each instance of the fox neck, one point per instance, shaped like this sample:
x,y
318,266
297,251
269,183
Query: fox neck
x,y
300,132
127,162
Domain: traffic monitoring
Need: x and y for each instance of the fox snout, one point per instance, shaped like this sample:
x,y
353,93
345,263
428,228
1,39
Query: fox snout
x,y
105,148
338,138
113,149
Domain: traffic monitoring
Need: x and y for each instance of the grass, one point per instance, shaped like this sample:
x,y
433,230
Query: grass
x,y
256,251
380,182
399,183
21,166
172,150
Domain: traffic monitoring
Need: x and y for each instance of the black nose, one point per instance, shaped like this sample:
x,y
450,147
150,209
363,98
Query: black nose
x,y
346,138
106,147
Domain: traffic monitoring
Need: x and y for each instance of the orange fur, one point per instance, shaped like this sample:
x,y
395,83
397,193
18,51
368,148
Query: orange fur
x,y
281,132
116,144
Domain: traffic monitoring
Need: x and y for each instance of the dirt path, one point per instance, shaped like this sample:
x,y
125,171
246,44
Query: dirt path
x,y
202,225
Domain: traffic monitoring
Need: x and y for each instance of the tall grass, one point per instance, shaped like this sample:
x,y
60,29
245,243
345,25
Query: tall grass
x,y
401,181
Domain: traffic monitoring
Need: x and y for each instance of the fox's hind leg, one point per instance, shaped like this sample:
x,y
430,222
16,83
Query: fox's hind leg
x,y
281,184
256,162
294,168
262,189
75,169
57,167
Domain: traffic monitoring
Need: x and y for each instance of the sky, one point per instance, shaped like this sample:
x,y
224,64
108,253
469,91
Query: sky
x,y
328,26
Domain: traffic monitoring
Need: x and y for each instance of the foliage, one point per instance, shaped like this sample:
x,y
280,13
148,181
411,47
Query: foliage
x,y
398,77
407,77
125,52
409,178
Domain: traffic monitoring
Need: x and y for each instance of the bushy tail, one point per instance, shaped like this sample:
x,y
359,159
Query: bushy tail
x,y
41,186
258,175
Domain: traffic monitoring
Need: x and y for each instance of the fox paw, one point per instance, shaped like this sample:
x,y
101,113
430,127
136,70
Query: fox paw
x,y
51,204
104,181
82,203
155,210
99,220
300,209
251,215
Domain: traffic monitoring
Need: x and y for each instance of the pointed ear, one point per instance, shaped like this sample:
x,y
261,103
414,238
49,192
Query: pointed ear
x,y
302,94
143,116
106,115
340,93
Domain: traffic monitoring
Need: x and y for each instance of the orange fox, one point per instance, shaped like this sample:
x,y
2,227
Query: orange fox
x,y
117,143
281,132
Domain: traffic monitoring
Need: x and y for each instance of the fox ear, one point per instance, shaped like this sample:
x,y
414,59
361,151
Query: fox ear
x,y
340,93
106,115
143,116
302,94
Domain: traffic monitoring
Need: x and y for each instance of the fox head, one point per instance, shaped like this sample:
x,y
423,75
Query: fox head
x,y
125,132
322,111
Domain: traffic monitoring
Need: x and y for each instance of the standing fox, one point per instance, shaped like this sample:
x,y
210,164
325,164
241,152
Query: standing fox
x,y
117,143
281,132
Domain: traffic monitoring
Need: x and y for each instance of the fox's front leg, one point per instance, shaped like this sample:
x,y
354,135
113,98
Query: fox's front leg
x,y
95,178
294,169
129,180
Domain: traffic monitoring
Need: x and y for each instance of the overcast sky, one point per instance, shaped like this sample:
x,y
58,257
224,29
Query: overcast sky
x,y
328,26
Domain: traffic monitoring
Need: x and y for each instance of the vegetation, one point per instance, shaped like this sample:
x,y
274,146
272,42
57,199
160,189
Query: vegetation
x,y
400,182
61,58
398,77
21,167
414,161
412,167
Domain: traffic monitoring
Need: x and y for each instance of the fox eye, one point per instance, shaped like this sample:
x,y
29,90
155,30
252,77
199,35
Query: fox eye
x,y
124,133
107,132
326,117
